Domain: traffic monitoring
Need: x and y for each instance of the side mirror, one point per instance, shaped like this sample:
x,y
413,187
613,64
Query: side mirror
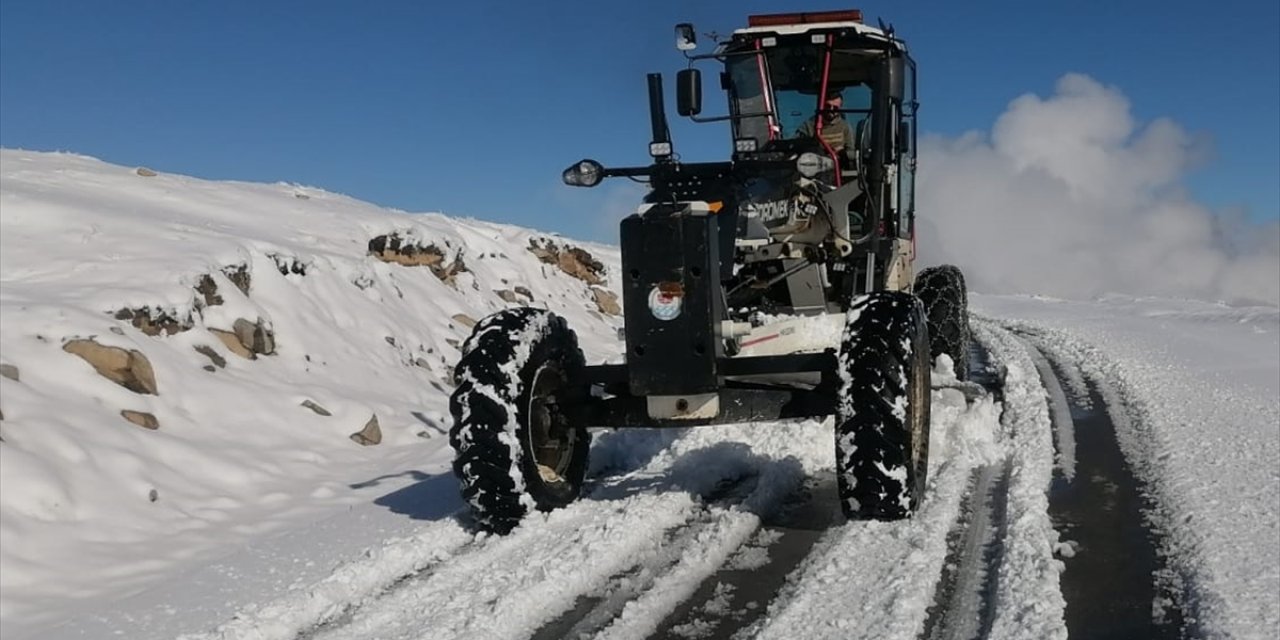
x,y
688,92
686,39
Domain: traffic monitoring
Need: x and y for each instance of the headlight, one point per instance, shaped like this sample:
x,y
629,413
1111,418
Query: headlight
x,y
810,164
586,173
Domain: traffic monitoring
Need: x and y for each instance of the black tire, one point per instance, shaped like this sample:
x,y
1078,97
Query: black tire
x,y
515,448
882,414
946,303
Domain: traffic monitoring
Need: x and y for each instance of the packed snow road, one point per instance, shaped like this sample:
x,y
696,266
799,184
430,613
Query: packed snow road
x,y
1048,514
722,532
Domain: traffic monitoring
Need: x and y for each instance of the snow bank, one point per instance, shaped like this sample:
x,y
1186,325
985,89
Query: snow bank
x,y
166,265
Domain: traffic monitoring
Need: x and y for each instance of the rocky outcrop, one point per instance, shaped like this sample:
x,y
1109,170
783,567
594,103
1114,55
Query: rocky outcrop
x,y
9,371
570,259
127,368
412,252
154,322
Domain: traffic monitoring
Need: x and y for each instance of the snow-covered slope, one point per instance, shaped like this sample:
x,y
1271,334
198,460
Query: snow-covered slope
x,y
93,504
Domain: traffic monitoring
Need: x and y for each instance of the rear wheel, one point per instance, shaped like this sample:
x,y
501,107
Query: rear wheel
x,y
516,447
882,414
946,303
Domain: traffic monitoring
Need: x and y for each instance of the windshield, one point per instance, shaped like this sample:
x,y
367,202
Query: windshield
x,y
795,73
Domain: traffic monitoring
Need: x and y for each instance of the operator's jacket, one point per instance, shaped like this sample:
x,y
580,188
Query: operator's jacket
x,y
836,133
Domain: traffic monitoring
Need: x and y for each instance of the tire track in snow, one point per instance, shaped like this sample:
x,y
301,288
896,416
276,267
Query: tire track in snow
x,y
510,586
1112,581
873,579
962,604
593,612
735,596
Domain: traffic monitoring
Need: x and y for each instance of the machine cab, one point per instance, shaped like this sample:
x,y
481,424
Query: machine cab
x,y
828,84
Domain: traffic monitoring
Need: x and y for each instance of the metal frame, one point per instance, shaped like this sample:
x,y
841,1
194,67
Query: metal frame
x,y
740,400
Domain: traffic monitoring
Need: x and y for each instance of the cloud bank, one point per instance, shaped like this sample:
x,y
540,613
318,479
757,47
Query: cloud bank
x,y
1068,196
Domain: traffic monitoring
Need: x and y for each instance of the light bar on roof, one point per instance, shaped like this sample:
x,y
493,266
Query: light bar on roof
x,y
782,19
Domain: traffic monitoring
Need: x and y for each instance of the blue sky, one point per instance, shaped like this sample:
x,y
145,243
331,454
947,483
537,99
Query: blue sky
x,y
474,108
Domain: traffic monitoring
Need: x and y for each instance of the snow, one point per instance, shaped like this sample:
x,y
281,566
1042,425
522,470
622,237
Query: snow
x,y
248,516
1201,382
235,457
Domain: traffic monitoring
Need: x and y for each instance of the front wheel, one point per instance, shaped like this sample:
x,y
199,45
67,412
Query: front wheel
x,y
942,291
882,413
516,446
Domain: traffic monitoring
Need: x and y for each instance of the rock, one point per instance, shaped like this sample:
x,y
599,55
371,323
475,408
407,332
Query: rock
x,y
453,343
142,419
288,264
9,371
153,495
129,369
255,336
362,282
316,408
570,259
370,435
464,320
153,323
233,343
422,362
409,252
524,291
208,290
212,355
238,274
302,196
210,368
145,172
507,295
606,301
390,340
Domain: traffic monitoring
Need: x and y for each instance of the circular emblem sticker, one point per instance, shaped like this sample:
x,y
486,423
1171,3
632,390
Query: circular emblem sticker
x,y
665,305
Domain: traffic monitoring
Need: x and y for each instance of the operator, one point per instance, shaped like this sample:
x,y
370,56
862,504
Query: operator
x,y
836,131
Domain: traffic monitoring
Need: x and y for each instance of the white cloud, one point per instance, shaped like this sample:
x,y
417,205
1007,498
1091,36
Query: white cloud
x,y
1069,196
